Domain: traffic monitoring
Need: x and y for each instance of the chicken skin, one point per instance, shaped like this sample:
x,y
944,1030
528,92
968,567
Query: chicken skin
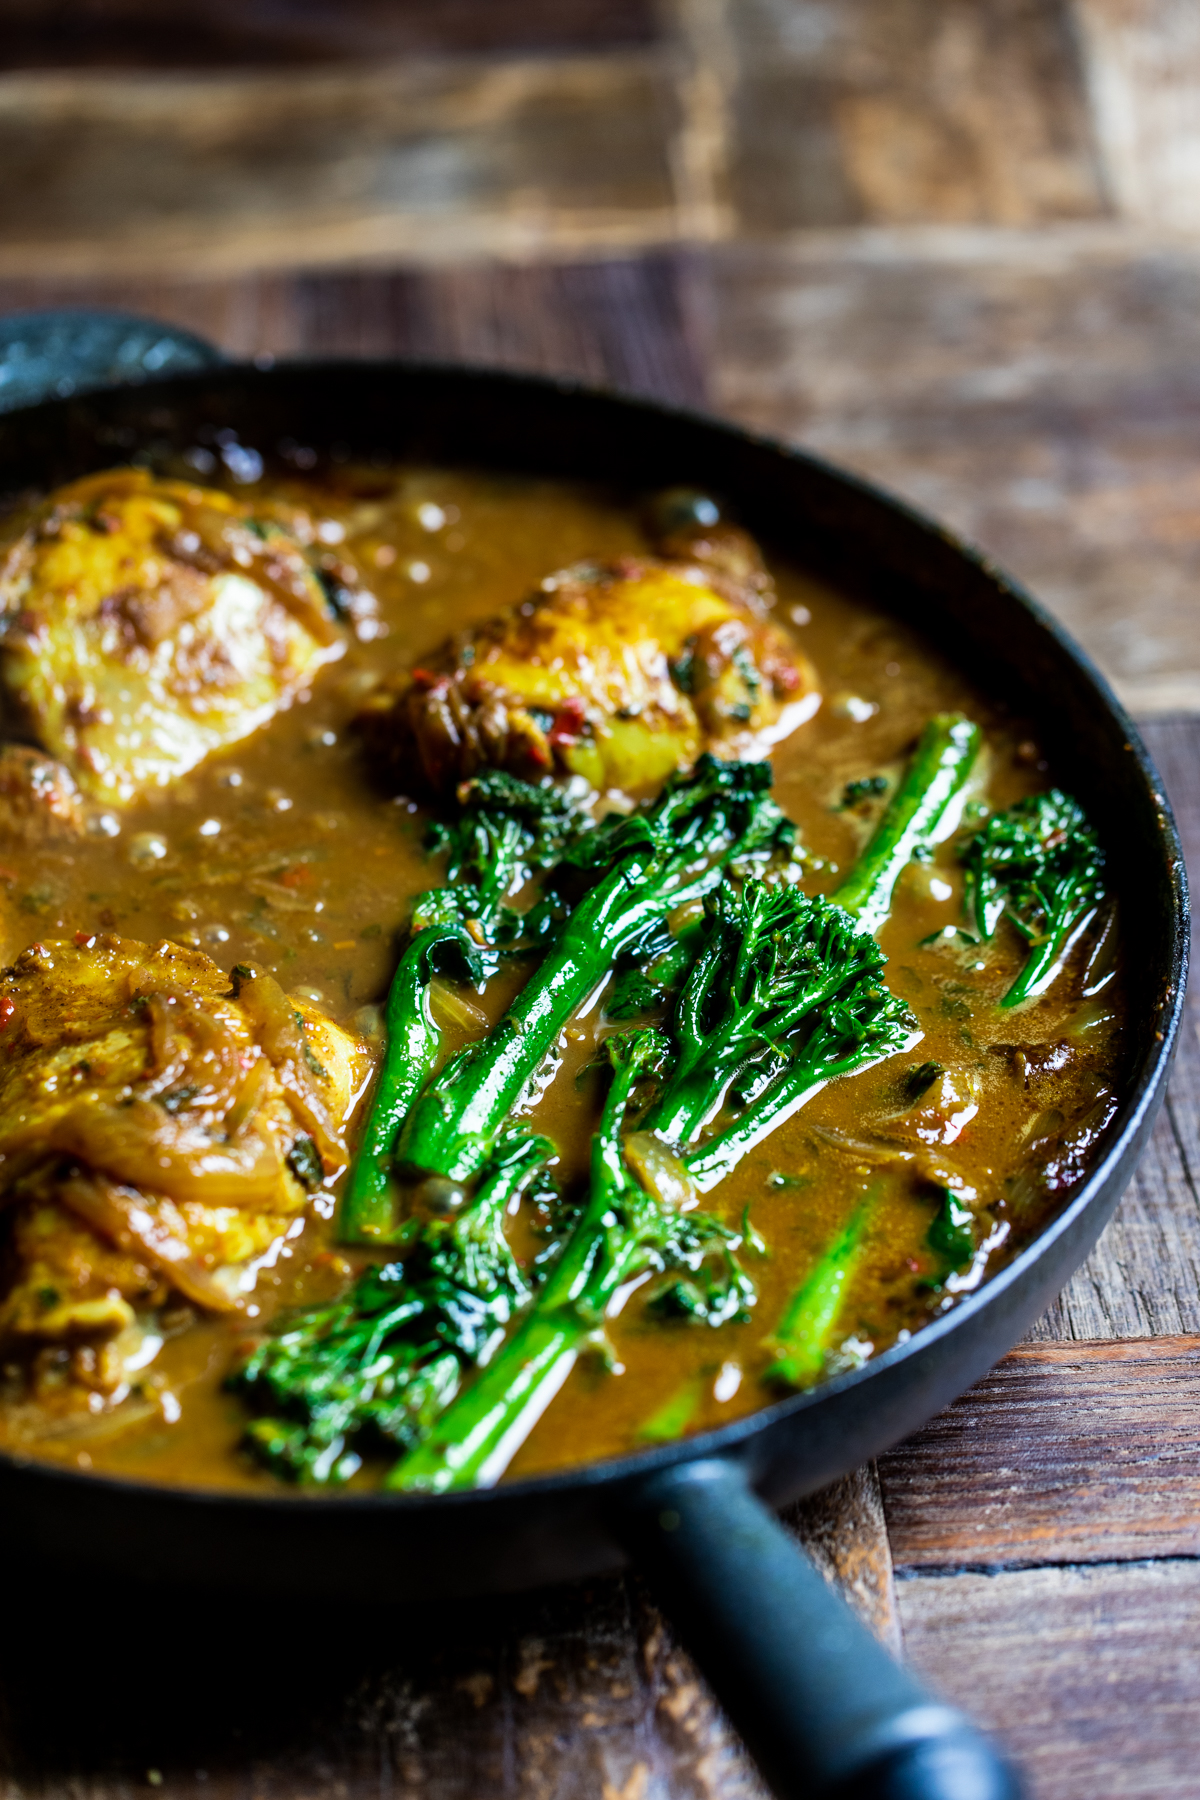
x,y
159,1132
146,623
620,673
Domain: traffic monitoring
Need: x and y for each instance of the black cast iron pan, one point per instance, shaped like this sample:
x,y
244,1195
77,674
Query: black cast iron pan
x,y
821,1706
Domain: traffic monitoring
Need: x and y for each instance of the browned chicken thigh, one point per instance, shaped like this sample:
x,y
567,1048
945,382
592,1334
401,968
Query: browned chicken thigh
x,y
619,672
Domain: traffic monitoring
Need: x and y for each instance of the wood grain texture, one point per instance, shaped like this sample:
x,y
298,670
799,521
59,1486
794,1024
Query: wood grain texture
x,y
577,1692
1143,1278
896,111
636,323
844,1530
1064,1453
211,171
1034,390
1090,1675
1142,79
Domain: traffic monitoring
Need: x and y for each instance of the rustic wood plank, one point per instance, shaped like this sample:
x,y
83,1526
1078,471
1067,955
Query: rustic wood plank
x,y
1036,390
1064,1453
894,111
423,158
634,323
630,323
844,1530
581,1691
1142,66
1089,1675
576,1692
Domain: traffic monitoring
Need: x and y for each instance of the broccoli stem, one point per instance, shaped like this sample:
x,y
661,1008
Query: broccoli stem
x,y
475,1439
674,1415
652,863
1041,864
803,1334
367,1214
941,764
621,1230
382,1362
1079,909
830,1052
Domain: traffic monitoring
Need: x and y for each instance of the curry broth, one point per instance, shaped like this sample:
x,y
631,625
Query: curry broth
x,y
281,853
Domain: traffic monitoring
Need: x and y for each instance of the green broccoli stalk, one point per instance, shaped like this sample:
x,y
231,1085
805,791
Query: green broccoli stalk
x,y
414,1042
1039,864
803,1336
941,764
504,831
374,1369
622,1231
641,868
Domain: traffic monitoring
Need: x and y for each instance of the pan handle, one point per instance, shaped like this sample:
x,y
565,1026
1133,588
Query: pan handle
x,y
822,1707
72,350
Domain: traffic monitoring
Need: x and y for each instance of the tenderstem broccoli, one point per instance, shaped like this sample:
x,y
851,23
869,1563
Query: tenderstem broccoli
x,y
638,869
940,766
622,1231
786,992
373,1369
502,832
803,1336
414,1042
1040,865
856,1022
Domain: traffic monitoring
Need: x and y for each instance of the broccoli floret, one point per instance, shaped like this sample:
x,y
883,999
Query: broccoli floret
x,y
1040,865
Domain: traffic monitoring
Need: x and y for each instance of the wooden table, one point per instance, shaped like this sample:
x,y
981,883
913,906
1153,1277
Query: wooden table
x,y
1034,1550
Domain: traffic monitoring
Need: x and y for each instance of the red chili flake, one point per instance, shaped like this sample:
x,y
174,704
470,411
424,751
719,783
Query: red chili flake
x,y
8,1007
296,876
85,939
568,724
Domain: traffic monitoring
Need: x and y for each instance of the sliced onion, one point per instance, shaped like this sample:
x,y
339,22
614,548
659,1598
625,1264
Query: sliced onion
x,y
660,1171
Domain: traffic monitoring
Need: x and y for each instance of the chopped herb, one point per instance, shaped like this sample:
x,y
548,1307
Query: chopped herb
x,y
867,787
305,1163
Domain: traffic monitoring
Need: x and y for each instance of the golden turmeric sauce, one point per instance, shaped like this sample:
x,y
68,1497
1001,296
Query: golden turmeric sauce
x,y
282,853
